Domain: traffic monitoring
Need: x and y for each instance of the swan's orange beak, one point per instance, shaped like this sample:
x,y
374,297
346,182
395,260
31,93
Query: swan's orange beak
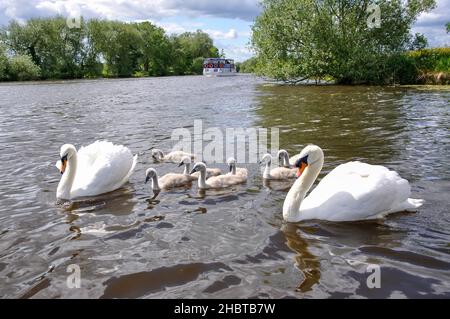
x,y
301,169
63,165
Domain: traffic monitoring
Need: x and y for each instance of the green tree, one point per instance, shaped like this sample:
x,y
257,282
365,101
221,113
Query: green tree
x,y
190,46
22,68
248,66
52,45
155,49
301,39
419,42
3,63
447,27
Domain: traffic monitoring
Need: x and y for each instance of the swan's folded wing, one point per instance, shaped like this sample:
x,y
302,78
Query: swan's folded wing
x,y
355,191
102,167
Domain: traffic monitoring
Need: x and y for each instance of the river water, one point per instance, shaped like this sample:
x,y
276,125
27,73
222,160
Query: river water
x,y
232,243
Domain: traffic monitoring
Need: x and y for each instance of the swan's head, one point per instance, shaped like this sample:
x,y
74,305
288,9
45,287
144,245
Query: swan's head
x,y
282,154
231,163
309,156
267,158
157,154
184,161
149,174
66,152
198,167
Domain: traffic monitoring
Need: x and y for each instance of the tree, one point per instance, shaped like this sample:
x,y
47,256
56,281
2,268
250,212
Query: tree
x,y
419,42
248,66
447,26
22,68
302,39
155,49
3,63
189,46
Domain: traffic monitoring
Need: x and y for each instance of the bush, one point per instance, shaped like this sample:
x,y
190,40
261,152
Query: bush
x,y
437,59
3,65
22,68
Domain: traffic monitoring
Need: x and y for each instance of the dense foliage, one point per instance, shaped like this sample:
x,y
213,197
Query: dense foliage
x,y
49,49
248,66
308,39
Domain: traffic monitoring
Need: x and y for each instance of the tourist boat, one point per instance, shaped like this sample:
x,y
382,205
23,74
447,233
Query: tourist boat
x,y
219,67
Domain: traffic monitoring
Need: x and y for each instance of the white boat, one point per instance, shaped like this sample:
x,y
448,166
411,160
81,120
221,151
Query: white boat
x,y
219,67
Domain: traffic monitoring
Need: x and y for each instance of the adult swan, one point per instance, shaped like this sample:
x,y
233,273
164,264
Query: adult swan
x,y
352,191
98,168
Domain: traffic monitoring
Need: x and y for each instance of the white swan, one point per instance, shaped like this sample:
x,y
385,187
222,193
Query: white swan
x,y
172,157
186,161
285,160
236,170
98,168
215,182
352,191
167,181
278,173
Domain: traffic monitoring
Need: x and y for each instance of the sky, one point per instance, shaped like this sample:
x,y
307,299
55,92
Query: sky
x,y
227,22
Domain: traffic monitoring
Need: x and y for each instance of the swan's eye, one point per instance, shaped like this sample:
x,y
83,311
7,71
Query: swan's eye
x,y
303,160
63,163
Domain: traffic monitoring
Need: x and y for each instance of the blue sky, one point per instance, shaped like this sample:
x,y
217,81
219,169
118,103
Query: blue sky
x,y
228,22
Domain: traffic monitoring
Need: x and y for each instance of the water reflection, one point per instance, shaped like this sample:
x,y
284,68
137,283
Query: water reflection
x,y
308,264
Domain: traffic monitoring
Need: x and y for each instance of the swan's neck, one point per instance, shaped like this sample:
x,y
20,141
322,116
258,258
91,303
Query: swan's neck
x,y
286,160
266,173
66,182
155,183
298,191
202,179
187,168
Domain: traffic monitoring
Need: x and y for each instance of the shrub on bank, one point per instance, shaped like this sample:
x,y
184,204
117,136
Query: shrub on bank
x,y
22,68
432,65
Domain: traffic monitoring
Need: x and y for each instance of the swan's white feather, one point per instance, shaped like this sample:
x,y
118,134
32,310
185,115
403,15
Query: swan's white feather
x,y
358,191
102,167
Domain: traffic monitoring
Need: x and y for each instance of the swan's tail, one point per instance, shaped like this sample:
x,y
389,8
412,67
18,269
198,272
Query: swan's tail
x,y
127,177
412,204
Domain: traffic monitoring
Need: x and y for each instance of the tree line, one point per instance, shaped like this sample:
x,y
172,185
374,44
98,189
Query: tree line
x,y
48,48
346,41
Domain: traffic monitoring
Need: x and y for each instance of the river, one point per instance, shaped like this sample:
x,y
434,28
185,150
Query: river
x,y
227,244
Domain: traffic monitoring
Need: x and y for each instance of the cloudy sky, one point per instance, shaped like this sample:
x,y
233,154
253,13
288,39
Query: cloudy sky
x,y
228,22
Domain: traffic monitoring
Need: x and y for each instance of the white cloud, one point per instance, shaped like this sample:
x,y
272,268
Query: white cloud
x,y
129,10
432,24
221,35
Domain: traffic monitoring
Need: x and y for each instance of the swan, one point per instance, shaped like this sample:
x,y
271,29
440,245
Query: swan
x,y
278,173
215,182
236,170
186,161
167,181
98,168
285,160
352,191
172,157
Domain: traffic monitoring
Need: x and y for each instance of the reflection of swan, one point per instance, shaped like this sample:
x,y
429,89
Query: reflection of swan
x,y
167,181
219,181
98,168
308,264
236,170
186,161
285,160
352,191
278,173
172,157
